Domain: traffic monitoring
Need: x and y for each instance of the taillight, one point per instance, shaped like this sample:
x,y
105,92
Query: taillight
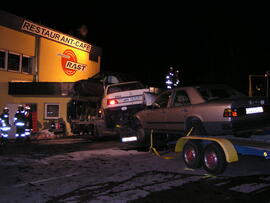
x,y
112,101
230,113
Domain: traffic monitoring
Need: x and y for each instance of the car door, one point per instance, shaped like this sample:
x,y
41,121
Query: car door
x,y
177,111
155,118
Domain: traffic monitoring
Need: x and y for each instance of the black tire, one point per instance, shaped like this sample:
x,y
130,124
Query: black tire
x,y
95,131
192,154
108,119
143,139
198,128
3,142
214,160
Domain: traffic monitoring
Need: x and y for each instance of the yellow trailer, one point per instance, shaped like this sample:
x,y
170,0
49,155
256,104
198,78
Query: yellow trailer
x,y
214,153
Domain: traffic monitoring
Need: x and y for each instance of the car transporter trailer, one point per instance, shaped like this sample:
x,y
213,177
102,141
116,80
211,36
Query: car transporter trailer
x,y
214,153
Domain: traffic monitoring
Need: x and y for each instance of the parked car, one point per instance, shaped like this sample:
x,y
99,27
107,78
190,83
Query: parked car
x,y
212,110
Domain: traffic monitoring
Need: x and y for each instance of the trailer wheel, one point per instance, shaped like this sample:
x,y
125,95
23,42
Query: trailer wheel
x,y
192,154
214,159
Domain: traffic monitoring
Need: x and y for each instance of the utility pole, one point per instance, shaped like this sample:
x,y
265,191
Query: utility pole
x,y
267,74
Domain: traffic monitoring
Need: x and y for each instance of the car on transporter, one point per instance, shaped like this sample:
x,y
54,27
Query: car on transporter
x,y
121,101
211,110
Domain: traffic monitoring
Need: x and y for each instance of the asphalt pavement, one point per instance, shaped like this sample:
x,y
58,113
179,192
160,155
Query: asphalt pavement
x,y
85,170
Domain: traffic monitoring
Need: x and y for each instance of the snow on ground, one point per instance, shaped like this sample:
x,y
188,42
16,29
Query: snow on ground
x,y
105,174
102,172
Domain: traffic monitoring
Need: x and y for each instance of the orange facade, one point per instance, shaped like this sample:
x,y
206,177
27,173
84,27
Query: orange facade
x,y
30,52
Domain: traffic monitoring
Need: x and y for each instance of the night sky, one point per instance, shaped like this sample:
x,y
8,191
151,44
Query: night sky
x,y
207,44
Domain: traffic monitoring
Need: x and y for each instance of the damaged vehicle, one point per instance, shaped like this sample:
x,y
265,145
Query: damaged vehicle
x,y
84,109
121,101
110,113
96,85
210,110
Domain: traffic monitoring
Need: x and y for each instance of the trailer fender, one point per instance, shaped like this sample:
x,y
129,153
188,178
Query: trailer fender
x,y
228,148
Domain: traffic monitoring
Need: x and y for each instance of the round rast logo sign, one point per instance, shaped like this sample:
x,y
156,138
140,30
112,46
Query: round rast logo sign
x,y
68,56
70,64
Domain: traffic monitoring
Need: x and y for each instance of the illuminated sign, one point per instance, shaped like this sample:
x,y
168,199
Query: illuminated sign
x,y
75,66
53,35
70,64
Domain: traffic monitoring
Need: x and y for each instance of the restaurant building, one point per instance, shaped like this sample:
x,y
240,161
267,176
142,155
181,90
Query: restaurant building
x,y
38,66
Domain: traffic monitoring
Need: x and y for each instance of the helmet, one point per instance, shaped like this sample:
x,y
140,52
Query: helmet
x,y
20,107
27,108
6,109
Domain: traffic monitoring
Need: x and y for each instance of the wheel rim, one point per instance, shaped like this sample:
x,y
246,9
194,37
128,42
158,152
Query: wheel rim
x,y
211,159
190,155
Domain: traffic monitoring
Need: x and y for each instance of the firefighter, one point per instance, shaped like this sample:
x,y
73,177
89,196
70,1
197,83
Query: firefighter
x,y
176,81
169,78
5,126
28,121
20,121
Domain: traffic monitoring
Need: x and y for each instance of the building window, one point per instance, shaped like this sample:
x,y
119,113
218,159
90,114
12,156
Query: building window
x,y
2,59
13,61
52,111
26,64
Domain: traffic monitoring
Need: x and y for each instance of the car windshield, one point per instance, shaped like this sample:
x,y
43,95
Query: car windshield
x,y
125,87
212,93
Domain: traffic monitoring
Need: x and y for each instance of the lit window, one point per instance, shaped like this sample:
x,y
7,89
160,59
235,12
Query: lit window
x,y
13,62
26,64
52,111
2,59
